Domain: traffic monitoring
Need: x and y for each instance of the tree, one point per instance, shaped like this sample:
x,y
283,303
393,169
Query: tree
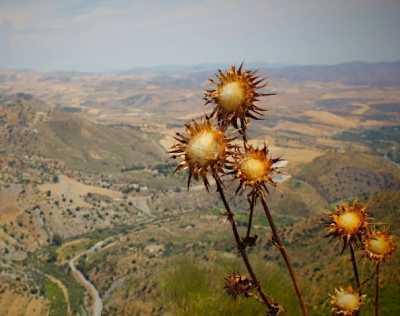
x,y
55,179
57,240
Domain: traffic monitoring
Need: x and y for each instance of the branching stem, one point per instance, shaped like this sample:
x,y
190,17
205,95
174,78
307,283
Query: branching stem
x,y
242,249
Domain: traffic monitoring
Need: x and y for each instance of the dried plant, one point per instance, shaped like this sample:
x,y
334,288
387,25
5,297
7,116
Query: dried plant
x,y
234,95
346,302
204,149
254,168
349,222
378,246
234,98
239,285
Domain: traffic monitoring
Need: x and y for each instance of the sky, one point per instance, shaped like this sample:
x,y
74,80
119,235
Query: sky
x,y
102,35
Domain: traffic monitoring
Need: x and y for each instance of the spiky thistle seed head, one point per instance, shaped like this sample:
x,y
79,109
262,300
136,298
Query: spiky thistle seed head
x,y
346,302
349,221
202,149
254,168
237,285
234,95
379,245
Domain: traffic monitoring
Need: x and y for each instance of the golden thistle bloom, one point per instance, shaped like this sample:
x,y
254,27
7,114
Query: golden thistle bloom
x,y
254,168
234,95
203,149
236,285
379,245
346,302
348,221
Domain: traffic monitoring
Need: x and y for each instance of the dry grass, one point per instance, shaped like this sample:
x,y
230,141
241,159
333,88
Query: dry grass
x,y
70,248
75,190
12,304
331,119
295,154
9,210
361,108
306,129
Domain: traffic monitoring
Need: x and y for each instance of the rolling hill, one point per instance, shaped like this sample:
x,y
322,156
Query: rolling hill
x,y
338,176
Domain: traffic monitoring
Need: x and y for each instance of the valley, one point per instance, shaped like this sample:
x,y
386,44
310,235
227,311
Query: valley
x,y
93,220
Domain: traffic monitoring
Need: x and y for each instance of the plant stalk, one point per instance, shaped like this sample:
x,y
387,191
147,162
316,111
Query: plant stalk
x,y
284,254
266,300
249,224
355,269
377,289
244,135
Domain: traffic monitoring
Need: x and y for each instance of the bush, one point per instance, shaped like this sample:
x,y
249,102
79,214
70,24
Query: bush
x,y
57,240
55,179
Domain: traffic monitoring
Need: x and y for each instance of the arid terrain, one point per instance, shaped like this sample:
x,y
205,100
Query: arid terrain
x,y
93,221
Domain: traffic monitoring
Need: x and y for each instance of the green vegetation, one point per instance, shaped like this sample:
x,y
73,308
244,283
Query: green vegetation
x,y
92,147
118,155
382,140
58,305
45,261
197,288
69,251
340,176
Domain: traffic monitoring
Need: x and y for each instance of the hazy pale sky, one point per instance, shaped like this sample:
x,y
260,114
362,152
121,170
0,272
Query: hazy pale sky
x,y
120,34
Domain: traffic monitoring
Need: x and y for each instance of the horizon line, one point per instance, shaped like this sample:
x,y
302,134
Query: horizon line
x,y
203,65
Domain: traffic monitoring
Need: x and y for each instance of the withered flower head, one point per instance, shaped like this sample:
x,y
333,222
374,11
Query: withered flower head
x,y
379,245
236,285
234,95
346,302
254,168
348,221
203,148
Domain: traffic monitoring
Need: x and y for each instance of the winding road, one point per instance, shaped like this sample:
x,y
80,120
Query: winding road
x,y
97,305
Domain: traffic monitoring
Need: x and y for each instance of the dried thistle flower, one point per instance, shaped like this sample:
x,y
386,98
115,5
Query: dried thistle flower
x,y
349,222
234,95
236,285
379,245
203,149
346,302
254,168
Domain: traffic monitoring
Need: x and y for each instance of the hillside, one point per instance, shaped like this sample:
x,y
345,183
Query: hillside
x,y
339,176
352,73
181,268
78,142
86,184
84,145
